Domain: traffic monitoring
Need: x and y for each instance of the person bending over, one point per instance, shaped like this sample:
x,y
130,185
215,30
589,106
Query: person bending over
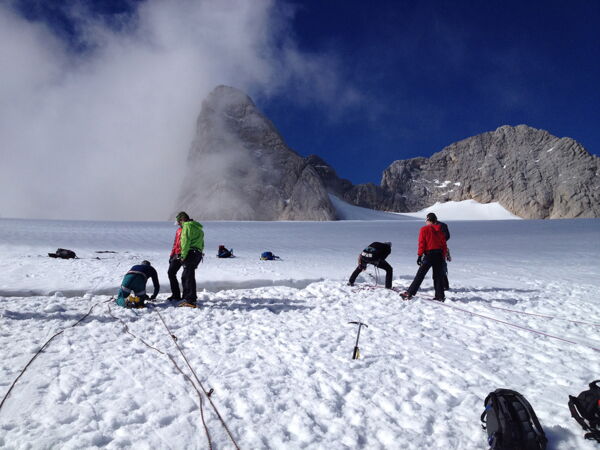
x,y
134,284
375,254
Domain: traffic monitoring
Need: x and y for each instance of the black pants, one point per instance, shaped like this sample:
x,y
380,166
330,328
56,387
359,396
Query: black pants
x,y
433,259
383,264
188,277
174,266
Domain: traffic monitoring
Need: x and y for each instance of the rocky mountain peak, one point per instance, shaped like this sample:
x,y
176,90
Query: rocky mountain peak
x,y
241,169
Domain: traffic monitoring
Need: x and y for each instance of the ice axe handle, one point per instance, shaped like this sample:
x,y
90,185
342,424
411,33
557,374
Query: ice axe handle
x,y
356,353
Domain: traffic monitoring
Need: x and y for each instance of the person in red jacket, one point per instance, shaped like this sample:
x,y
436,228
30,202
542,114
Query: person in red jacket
x,y
174,266
431,253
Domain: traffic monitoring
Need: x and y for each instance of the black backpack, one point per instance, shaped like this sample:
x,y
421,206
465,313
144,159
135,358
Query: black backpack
x,y
63,253
377,251
585,409
511,423
224,252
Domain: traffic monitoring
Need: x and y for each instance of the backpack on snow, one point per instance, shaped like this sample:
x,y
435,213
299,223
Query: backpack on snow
x,y
511,423
223,252
268,256
585,409
63,253
377,251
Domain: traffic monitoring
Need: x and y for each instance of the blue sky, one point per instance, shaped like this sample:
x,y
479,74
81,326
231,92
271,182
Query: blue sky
x,y
87,83
435,72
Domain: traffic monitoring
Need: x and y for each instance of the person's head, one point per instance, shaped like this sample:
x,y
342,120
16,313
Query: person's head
x,y
432,218
182,217
146,263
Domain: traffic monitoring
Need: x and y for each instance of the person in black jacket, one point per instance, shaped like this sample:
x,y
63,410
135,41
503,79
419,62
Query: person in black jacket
x,y
374,254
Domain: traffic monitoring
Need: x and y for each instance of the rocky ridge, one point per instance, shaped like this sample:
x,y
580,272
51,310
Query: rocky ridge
x,y
241,169
530,172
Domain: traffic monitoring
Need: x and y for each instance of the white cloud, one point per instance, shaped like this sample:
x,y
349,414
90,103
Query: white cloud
x,y
104,134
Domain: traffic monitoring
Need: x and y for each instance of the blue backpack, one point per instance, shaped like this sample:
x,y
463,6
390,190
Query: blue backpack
x,y
268,256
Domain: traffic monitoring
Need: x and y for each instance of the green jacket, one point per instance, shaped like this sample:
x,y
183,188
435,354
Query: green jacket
x,y
192,236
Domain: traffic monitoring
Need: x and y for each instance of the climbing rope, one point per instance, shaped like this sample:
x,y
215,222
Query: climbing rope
x,y
42,349
580,322
207,393
530,330
186,376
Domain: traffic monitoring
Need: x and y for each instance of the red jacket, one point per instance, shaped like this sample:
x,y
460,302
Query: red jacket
x,y
431,237
177,244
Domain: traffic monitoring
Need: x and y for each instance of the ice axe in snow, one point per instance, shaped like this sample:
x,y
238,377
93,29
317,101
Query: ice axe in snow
x,y
356,353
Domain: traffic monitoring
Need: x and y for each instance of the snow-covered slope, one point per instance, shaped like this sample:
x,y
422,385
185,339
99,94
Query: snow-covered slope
x,y
467,210
346,211
464,210
273,340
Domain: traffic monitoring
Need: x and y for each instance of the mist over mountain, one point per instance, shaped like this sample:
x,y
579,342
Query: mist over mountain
x,y
239,168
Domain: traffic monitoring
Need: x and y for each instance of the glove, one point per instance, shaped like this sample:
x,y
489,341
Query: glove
x,y
420,260
448,257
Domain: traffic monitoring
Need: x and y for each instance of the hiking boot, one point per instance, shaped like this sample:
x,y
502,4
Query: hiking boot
x,y
349,284
406,295
440,299
188,304
172,298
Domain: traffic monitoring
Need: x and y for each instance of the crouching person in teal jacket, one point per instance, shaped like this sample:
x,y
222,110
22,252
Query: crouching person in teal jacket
x,y
134,284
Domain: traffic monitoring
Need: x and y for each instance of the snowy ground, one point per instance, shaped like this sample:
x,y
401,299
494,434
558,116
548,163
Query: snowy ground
x,y
272,338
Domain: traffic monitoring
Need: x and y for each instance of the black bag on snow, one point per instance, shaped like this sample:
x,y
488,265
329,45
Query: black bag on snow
x,y
63,253
224,252
511,423
377,251
585,409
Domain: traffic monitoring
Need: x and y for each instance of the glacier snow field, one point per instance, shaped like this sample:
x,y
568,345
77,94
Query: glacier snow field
x,y
271,339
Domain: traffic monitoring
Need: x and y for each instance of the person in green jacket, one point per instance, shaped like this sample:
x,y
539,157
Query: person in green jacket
x,y
192,246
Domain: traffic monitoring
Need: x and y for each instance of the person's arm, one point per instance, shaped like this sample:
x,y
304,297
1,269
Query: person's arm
x,y
176,242
154,276
185,241
421,248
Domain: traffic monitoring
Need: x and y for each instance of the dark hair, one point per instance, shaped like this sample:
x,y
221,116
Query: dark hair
x,y
182,216
146,263
432,217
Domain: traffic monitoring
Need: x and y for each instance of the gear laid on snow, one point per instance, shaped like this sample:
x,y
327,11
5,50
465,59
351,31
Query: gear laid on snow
x,y
268,256
511,423
224,252
585,409
63,253
356,352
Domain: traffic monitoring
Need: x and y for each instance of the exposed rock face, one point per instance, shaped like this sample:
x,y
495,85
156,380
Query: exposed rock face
x,y
529,172
239,168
